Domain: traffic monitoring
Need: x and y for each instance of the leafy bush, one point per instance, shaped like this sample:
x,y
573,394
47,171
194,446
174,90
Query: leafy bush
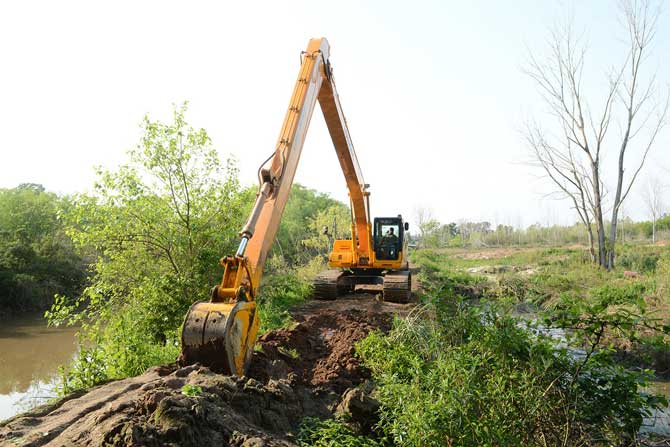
x,y
156,228
279,293
330,433
638,260
457,374
461,383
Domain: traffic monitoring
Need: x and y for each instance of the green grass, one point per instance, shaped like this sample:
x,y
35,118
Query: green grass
x,y
466,372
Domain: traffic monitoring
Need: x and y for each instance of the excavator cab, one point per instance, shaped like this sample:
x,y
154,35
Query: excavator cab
x,y
388,238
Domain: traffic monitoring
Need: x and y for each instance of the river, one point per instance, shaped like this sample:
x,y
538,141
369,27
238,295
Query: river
x,y
30,354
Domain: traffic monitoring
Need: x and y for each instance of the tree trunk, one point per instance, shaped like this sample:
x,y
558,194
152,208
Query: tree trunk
x,y
653,230
592,250
598,211
613,230
617,202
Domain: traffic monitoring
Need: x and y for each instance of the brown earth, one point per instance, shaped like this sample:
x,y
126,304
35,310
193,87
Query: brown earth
x,y
491,253
307,370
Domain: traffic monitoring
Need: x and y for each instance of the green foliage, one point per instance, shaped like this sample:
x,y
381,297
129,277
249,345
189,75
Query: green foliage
x,y
458,374
307,211
458,381
37,258
330,433
611,312
639,259
191,390
663,277
278,294
645,229
158,226
337,218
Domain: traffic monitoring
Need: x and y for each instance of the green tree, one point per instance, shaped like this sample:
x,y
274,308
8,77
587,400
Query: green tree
x,y
299,238
37,258
158,225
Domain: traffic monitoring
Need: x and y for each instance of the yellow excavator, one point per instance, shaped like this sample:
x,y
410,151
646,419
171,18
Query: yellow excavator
x,y
221,333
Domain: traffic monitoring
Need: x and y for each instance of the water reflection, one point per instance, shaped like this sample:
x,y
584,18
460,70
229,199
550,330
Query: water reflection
x,y
30,354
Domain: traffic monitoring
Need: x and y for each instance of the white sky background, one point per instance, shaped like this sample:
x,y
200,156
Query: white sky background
x,y
433,92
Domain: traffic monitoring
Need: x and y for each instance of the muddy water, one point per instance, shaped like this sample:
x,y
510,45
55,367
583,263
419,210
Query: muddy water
x,y
30,354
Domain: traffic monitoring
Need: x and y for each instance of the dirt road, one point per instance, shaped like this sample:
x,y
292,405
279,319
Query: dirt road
x,y
307,370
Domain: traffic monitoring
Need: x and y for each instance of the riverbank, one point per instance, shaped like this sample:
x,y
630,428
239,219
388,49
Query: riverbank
x,y
577,304
461,367
306,371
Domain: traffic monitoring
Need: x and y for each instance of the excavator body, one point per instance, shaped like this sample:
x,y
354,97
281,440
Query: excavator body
x,y
221,332
385,265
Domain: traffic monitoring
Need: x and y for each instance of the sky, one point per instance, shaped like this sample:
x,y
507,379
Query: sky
x,y
433,91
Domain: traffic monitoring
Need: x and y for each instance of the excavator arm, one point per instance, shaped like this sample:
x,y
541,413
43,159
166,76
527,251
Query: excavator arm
x,y
221,333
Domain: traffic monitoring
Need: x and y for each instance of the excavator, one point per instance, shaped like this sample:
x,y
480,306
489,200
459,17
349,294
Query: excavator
x,y
221,333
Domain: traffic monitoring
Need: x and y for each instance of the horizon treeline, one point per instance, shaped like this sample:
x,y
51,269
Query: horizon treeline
x,y
434,234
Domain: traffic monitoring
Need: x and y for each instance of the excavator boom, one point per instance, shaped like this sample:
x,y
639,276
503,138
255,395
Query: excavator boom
x,y
221,332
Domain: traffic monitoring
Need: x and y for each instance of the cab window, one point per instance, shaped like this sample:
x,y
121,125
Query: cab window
x,y
388,240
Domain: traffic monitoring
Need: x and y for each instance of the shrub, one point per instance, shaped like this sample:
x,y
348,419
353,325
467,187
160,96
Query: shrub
x,y
330,433
457,374
638,259
278,294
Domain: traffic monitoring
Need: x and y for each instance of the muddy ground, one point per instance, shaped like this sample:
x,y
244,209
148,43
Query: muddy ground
x,y
308,369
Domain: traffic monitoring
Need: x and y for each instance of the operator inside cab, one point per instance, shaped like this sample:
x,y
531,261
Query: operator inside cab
x,y
390,237
389,244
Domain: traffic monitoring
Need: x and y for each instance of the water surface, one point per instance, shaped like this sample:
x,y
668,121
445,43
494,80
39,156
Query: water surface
x,y
30,354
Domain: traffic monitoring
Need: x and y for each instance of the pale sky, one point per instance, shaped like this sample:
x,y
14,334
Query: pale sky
x,y
433,92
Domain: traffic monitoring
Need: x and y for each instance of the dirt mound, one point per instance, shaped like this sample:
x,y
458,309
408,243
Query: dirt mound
x,y
318,351
301,371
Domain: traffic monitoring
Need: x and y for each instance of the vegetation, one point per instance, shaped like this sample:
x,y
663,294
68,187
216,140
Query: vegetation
x,y
463,372
300,238
469,367
156,228
331,433
434,234
37,258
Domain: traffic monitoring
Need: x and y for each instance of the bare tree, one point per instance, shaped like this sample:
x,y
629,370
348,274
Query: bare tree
x,y
565,169
572,154
653,199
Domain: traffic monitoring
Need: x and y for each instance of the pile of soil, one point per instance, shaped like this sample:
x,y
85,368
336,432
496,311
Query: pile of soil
x,y
307,370
319,351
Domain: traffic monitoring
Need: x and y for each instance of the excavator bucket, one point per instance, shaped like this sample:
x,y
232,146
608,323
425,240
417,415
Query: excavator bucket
x,y
220,335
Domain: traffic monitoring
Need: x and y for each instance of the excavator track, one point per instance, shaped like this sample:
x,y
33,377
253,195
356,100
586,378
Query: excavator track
x,y
327,285
398,286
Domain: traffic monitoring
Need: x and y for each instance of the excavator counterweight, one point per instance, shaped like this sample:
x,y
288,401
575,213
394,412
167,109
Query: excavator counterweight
x,y
221,332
